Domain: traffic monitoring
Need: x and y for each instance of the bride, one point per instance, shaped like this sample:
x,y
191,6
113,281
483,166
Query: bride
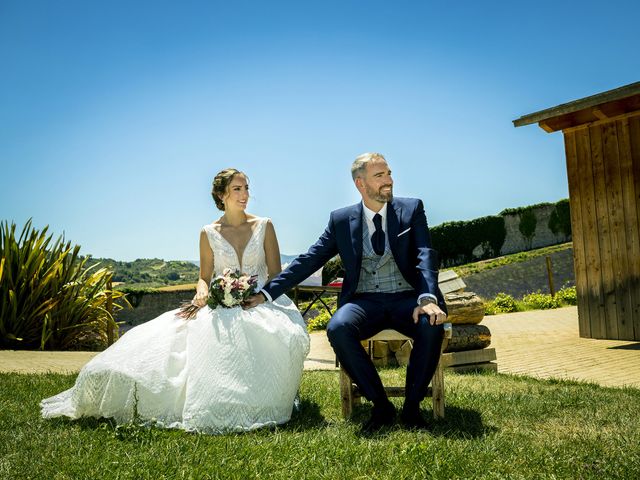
x,y
227,369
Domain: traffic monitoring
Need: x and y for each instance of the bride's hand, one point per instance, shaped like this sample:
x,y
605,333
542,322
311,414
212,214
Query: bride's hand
x,y
200,300
253,301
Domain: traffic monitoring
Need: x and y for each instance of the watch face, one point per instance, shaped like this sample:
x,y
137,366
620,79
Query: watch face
x,y
426,300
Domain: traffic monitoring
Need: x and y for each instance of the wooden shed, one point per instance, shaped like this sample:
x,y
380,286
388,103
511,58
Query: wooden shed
x,y
602,145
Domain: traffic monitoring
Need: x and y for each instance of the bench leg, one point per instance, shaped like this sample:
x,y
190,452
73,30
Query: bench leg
x,y
437,389
346,393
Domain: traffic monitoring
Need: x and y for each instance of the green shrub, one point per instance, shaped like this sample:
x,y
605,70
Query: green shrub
x,y
567,296
319,322
332,270
172,276
48,299
541,301
503,303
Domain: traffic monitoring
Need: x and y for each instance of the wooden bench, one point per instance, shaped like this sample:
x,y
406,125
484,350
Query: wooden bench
x,y
350,394
449,282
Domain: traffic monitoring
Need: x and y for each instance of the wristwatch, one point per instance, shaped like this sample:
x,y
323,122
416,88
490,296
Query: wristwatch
x,y
427,300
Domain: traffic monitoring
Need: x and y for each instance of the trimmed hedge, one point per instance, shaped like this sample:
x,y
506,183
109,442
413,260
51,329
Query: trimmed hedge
x,y
455,241
560,219
527,226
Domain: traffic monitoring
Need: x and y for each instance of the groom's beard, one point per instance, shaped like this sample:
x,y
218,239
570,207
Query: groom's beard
x,y
379,195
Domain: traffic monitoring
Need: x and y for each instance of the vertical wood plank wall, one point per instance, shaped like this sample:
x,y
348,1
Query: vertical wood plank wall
x,y
603,168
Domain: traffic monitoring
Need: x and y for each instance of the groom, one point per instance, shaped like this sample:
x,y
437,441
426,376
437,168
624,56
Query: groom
x,y
391,281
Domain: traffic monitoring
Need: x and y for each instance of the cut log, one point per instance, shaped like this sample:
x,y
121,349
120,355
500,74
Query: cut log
x,y
464,308
469,337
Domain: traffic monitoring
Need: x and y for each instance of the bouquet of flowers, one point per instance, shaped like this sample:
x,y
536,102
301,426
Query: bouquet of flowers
x,y
228,290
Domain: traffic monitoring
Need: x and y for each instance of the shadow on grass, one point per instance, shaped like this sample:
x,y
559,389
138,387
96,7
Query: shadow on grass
x,y
83,423
458,423
461,423
307,417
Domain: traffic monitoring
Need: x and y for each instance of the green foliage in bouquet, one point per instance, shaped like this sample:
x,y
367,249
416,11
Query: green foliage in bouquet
x,y
231,289
48,299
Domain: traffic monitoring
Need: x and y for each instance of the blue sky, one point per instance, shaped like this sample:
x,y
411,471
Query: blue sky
x,y
115,116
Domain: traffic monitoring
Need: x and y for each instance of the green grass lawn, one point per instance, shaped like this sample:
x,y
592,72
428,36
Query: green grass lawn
x,y
496,426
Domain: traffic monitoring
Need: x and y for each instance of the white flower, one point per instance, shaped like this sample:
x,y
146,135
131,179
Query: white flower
x,y
229,301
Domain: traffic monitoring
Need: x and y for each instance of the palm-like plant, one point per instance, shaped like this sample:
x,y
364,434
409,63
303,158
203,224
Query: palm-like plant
x,y
48,299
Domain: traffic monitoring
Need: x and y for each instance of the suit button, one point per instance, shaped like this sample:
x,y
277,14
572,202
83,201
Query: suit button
x,y
376,286
373,273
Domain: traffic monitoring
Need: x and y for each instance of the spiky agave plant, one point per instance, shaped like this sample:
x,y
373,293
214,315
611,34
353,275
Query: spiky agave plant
x,y
48,299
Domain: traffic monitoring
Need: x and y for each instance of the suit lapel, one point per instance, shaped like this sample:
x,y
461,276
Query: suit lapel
x,y
355,226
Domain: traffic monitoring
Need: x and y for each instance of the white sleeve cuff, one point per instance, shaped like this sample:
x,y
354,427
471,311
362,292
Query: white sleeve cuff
x,y
430,296
266,294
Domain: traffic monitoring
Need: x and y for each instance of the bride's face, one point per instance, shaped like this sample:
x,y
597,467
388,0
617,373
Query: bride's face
x,y
237,195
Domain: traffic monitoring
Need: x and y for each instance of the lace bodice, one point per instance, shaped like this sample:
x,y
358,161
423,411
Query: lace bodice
x,y
253,260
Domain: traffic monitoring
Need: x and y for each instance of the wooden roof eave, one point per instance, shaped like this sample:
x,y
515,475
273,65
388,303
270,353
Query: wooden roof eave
x,y
602,106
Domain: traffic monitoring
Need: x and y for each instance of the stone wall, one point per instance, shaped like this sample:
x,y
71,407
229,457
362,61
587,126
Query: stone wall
x,y
147,306
518,279
543,237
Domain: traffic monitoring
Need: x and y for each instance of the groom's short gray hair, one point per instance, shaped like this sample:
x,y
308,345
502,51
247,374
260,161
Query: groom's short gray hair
x,y
359,165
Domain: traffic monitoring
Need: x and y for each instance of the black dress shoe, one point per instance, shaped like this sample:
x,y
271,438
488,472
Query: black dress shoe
x,y
413,419
382,415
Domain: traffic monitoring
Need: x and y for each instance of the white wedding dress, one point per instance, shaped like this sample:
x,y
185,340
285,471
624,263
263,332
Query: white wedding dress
x,y
227,369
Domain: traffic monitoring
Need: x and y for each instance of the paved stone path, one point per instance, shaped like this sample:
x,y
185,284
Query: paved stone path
x,y
542,343
546,344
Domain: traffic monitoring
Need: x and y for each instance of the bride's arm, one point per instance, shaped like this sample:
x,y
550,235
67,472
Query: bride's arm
x,y
206,271
272,251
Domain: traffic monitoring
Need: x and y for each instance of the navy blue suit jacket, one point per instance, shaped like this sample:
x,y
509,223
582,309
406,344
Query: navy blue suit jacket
x,y
409,240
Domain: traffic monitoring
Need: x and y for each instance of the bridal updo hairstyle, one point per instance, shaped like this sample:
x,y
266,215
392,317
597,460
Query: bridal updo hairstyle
x,y
220,184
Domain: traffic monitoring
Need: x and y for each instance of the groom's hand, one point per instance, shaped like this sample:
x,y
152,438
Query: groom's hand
x,y
433,311
253,301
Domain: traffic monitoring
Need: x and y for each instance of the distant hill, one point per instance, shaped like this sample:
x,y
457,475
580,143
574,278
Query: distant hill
x,y
283,259
286,258
155,272
150,272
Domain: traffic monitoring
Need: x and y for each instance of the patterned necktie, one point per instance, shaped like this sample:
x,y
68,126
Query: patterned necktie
x,y
377,239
